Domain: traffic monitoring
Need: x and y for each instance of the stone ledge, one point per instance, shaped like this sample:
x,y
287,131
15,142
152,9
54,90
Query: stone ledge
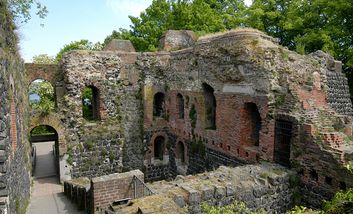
x,y
115,176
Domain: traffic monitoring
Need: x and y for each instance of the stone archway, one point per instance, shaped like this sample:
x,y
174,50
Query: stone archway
x,y
45,151
48,72
53,121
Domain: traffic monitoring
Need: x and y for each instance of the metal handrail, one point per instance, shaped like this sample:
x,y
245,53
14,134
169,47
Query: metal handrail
x,y
146,190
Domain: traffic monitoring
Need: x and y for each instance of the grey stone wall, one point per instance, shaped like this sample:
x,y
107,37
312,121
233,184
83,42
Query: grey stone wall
x,y
338,96
15,163
118,82
338,93
97,157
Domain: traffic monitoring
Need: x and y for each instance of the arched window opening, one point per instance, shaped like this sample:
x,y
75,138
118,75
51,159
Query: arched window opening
x,y
159,147
210,106
252,120
41,96
159,105
90,103
181,151
180,102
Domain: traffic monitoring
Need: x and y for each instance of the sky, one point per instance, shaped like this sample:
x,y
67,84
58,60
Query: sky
x,y
73,20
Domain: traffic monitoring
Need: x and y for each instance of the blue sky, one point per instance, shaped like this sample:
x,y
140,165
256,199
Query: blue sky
x,y
72,20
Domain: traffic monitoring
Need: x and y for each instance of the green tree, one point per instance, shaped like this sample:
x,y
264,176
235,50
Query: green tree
x,y
121,34
78,45
198,15
44,91
307,26
21,9
43,59
87,99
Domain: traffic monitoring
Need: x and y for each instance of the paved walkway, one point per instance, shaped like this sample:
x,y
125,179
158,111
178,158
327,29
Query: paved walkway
x,y
47,194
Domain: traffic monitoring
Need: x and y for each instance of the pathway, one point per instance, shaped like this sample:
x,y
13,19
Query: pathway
x,y
47,194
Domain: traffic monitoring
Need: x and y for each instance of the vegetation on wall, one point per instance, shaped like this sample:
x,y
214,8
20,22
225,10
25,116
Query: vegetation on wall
x,y
342,202
235,207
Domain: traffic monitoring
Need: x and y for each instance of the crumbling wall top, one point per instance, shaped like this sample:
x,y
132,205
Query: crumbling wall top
x,y
239,32
119,45
177,39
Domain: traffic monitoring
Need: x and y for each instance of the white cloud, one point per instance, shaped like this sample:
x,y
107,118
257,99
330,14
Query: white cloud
x,y
248,2
128,7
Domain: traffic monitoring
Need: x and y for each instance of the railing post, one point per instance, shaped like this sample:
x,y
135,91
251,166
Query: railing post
x,y
134,178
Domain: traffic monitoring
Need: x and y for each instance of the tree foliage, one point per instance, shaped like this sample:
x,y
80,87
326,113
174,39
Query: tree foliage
x,y
87,99
44,93
43,59
201,16
307,26
83,44
21,9
43,130
303,26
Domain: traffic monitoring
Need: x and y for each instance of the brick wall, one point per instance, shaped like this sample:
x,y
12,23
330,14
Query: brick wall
x,y
113,187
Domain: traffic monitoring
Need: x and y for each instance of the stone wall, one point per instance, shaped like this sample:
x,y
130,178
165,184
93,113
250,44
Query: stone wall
x,y
337,85
96,157
120,107
15,166
269,187
231,98
251,75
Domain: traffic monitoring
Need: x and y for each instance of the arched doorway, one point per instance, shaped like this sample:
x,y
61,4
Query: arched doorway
x,y
45,152
159,148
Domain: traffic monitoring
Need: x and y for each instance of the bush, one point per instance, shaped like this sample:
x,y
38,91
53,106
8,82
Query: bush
x,y
342,202
235,207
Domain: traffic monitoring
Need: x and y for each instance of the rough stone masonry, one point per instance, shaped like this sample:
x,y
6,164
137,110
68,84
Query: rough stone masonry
x,y
226,99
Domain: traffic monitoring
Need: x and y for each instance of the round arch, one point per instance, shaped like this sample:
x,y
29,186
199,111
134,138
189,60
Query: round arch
x,y
46,72
181,151
152,142
53,121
